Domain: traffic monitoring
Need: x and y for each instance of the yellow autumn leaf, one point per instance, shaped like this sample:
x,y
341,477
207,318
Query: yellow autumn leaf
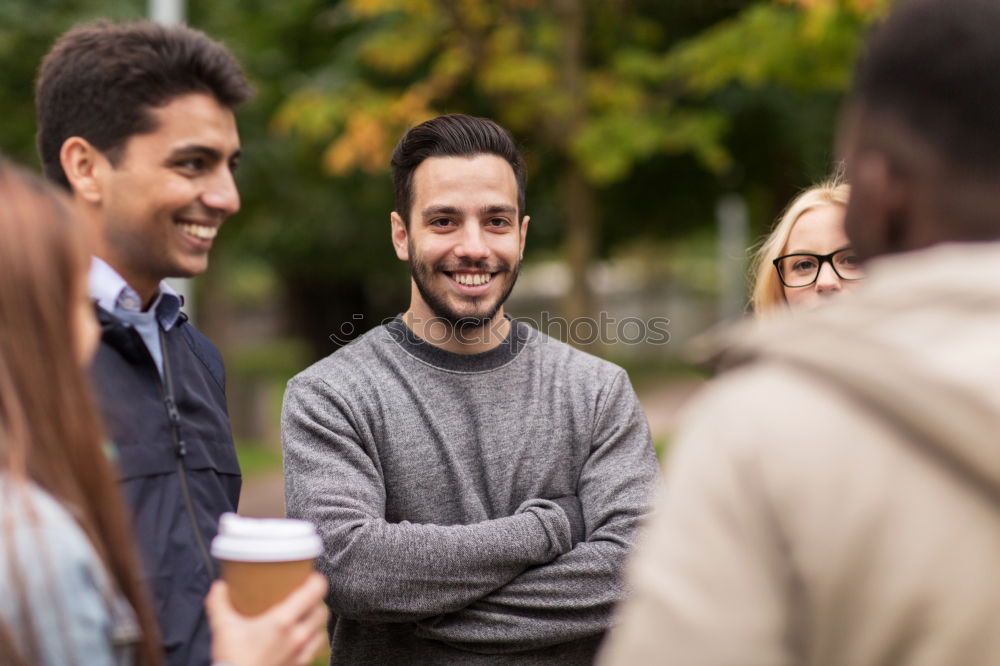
x,y
362,145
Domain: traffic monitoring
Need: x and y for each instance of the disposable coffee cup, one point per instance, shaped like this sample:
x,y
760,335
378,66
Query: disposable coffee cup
x,y
264,559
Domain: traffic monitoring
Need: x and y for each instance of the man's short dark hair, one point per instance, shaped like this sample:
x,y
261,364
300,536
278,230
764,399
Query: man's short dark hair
x,y
100,80
933,65
453,135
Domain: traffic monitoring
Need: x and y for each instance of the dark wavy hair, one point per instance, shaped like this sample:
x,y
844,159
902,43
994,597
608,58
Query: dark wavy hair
x,y
99,81
453,135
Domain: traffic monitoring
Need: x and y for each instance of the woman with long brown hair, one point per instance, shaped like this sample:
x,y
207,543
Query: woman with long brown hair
x,y
63,527
70,589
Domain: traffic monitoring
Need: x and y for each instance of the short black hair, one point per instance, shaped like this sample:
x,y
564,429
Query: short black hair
x,y
935,66
100,80
452,135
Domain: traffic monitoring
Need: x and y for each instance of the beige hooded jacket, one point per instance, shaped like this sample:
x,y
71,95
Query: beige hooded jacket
x,y
835,497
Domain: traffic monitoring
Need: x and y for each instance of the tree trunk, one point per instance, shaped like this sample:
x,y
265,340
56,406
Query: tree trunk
x,y
580,218
211,310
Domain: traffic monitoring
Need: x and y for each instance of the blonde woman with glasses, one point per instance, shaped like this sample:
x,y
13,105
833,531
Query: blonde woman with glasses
x,y
807,258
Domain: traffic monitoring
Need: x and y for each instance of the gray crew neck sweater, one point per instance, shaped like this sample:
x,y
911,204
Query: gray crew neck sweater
x,y
439,483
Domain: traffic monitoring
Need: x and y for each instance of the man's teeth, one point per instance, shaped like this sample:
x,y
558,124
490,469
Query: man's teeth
x,y
472,279
200,231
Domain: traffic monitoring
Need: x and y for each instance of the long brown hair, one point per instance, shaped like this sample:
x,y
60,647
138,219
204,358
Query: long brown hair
x,y
50,434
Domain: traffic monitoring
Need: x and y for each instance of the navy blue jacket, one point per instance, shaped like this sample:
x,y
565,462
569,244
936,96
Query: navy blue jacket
x,y
177,466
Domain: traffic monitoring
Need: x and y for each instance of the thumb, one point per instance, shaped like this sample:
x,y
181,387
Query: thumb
x,y
302,600
217,602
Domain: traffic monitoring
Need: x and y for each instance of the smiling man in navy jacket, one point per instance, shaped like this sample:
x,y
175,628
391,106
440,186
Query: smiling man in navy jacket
x,y
136,121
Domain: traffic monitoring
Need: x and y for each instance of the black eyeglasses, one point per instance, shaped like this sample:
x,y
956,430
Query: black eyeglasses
x,y
802,269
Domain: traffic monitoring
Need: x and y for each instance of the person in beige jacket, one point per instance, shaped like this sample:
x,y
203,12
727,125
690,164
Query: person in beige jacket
x,y
834,498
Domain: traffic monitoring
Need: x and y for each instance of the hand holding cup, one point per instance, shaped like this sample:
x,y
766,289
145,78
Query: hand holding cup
x,y
268,609
289,633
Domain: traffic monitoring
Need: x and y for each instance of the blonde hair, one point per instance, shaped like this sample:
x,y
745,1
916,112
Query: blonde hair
x,y
768,293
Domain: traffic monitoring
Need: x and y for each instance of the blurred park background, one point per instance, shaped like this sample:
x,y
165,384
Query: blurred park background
x,y
663,137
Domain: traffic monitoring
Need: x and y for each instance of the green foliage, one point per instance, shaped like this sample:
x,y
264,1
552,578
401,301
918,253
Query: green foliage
x,y
257,459
672,104
273,359
661,445
641,96
27,29
769,45
608,146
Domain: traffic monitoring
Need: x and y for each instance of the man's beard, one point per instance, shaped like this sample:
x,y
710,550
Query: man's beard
x,y
423,274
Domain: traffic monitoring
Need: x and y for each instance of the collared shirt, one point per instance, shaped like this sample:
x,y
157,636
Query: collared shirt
x,y
113,294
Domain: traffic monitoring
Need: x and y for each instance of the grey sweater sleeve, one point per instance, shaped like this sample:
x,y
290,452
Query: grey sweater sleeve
x,y
572,597
395,572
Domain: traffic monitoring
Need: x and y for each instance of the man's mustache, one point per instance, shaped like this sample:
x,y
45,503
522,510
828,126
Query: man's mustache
x,y
483,266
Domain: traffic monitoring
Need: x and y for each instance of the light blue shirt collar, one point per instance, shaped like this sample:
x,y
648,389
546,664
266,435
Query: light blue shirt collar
x,y
112,293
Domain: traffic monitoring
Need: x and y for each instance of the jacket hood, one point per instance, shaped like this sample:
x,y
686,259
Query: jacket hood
x,y
918,343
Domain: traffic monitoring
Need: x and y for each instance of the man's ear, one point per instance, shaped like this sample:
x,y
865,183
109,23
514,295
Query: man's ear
x,y
400,236
85,168
878,216
524,232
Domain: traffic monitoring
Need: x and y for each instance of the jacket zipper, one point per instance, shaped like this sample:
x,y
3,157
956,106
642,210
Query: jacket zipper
x,y
167,389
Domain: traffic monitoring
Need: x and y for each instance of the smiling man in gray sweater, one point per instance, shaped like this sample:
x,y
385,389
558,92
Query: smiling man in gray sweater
x,y
477,483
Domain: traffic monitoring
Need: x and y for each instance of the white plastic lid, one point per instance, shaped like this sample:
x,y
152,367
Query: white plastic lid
x,y
243,539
